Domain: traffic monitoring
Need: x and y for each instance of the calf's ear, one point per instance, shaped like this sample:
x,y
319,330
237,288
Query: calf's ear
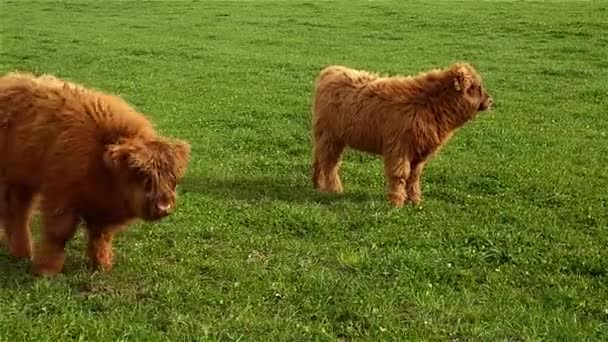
x,y
462,78
122,156
181,156
115,157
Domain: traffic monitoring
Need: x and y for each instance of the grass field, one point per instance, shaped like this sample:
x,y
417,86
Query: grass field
x,y
509,244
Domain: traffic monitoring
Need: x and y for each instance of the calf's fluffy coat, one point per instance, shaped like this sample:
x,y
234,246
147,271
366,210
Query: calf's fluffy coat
x,y
406,119
90,156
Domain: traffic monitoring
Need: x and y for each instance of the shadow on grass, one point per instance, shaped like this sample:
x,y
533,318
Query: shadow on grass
x,y
14,273
264,188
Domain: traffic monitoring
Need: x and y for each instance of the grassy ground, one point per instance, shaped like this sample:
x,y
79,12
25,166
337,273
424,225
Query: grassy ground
x,y
511,242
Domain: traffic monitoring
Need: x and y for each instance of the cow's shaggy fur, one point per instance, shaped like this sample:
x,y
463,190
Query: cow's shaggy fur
x,y
90,156
406,119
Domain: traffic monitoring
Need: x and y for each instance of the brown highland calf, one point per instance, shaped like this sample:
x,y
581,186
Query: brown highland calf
x,y
406,119
90,156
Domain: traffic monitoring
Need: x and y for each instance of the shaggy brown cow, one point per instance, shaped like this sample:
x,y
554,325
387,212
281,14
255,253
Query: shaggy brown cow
x,y
90,156
404,119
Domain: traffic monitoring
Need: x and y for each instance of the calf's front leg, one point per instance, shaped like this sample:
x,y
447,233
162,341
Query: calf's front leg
x,y
396,169
99,249
414,193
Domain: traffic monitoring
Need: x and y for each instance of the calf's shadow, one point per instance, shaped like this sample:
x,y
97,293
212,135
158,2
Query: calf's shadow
x,y
266,188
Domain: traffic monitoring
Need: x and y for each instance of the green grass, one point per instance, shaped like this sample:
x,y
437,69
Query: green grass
x,y
510,243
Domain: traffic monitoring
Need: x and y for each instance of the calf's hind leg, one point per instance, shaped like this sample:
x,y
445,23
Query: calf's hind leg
x,y
58,227
326,165
3,204
16,212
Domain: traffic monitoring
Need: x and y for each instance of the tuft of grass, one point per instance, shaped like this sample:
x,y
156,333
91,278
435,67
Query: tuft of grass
x,y
510,243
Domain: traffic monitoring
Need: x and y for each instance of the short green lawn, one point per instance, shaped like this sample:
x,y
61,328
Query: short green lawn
x,y
510,243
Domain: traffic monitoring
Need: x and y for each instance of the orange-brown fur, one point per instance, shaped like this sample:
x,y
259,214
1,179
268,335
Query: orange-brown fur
x,y
406,119
90,156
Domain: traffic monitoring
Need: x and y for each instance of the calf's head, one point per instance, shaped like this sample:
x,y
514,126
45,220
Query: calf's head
x,y
470,85
147,171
